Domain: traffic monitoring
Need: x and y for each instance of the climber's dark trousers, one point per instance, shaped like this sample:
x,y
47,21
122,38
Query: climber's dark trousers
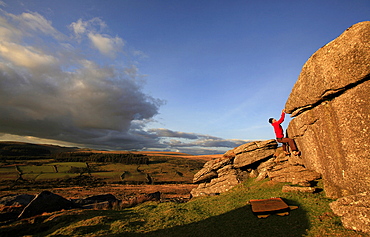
x,y
288,141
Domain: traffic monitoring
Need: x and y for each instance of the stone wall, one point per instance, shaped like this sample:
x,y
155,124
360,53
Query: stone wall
x,y
331,105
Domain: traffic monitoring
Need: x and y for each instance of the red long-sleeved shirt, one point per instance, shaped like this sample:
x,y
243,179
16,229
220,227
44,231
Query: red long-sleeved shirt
x,y
277,126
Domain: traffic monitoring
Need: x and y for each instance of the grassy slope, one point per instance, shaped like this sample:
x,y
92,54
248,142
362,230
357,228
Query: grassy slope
x,y
226,215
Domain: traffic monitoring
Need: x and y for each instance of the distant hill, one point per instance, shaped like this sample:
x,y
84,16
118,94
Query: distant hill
x,y
23,149
12,148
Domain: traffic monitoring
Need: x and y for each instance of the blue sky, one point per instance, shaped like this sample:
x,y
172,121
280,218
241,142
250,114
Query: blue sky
x,y
199,77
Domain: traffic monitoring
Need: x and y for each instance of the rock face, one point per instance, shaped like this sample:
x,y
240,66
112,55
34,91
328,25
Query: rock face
x,y
252,160
331,105
340,64
354,211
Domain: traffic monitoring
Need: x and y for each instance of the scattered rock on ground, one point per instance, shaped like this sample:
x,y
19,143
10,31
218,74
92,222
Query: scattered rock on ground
x,y
288,188
97,198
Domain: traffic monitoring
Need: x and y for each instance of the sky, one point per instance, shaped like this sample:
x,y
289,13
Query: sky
x,y
192,76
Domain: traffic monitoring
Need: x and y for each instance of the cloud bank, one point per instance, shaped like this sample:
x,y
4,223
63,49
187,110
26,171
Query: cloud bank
x,y
49,88
194,143
68,88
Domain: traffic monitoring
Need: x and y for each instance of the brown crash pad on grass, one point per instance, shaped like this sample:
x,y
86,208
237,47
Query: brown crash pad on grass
x,y
264,207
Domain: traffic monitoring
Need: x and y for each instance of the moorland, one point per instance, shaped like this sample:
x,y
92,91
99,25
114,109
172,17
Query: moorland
x,y
78,173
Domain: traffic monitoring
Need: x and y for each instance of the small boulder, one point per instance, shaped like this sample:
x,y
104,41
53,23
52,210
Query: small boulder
x,y
46,202
288,188
97,199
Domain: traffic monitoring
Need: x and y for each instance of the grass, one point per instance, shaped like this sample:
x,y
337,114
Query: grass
x,y
161,169
228,214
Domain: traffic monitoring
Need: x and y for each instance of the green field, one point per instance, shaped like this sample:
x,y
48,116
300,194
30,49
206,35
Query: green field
x,y
160,170
34,163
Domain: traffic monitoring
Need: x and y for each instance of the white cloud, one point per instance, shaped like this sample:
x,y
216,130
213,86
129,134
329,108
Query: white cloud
x,y
92,30
33,22
79,27
28,57
106,44
36,22
8,31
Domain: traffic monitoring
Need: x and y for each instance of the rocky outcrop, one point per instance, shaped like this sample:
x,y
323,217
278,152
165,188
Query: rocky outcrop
x,y
222,174
24,206
257,160
46,202
330,104
354,211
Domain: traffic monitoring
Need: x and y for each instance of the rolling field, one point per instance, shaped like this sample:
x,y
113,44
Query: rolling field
x,y
30,164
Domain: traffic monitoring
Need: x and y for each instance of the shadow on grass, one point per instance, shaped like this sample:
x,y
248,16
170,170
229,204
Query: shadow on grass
x,y
240,222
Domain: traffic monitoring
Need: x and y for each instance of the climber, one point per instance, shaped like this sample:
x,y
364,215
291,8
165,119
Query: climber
x,y
280,135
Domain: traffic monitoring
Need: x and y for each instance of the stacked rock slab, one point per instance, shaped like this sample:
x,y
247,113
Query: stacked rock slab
x,y
331,105
220,175
259,160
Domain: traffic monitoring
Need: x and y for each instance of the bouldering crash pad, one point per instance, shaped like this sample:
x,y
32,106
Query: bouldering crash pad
x,y
263,208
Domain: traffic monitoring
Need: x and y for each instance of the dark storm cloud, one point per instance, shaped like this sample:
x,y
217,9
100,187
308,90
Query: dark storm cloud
x,y
162,132
194,143
48,90
216,142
